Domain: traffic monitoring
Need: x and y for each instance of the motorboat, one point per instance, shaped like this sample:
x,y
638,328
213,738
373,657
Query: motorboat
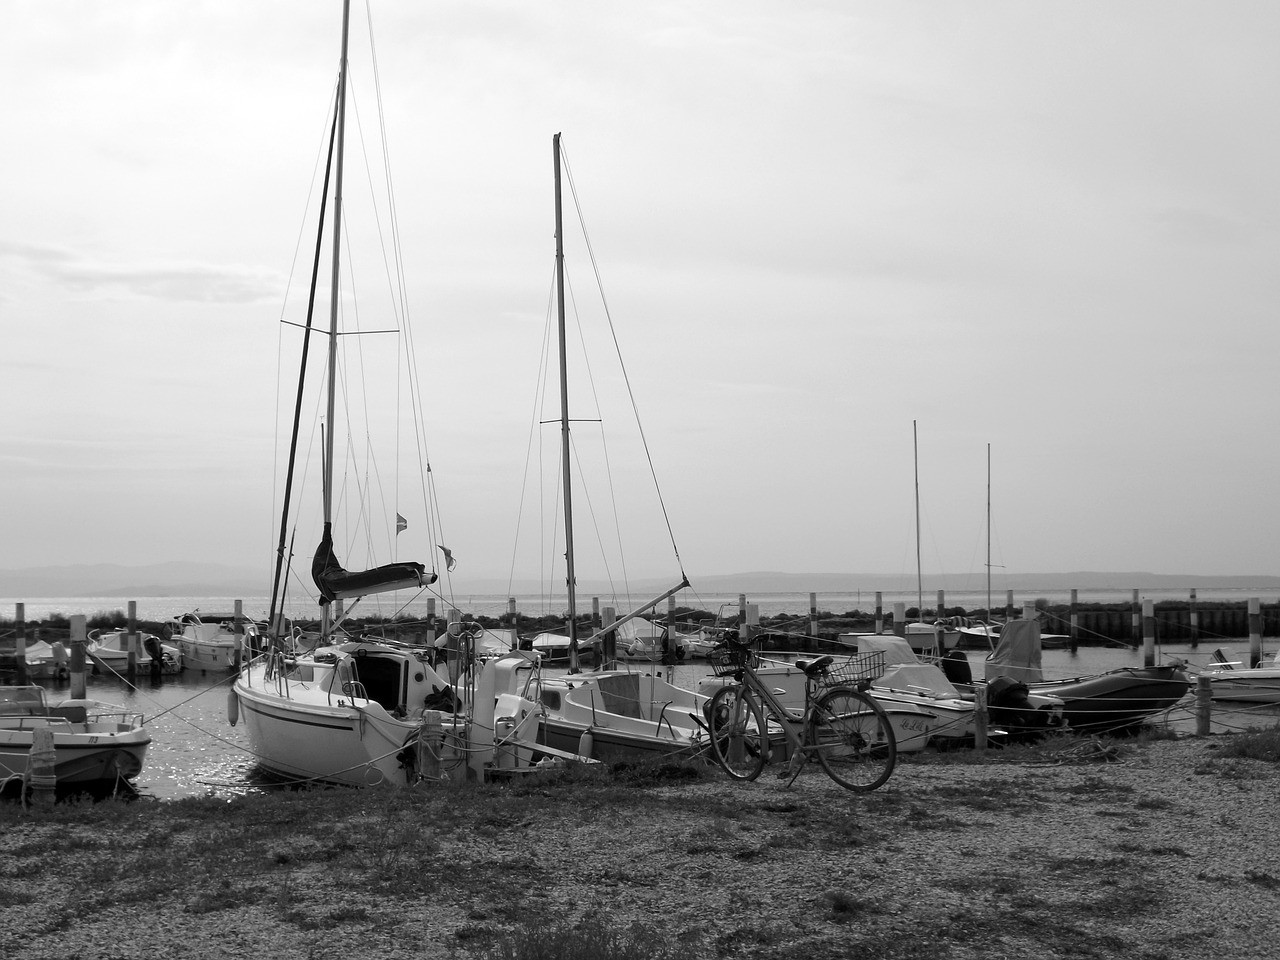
x,y
212,644
46,661
619,716
1117,701
95,744
1232,680
641,639
934,638
109,653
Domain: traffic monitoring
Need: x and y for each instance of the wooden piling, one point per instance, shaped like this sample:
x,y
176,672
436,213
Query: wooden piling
x,y
1075,621
980,717
42,766
879,612
511,618
132,642
1135,619
813,622
1204,705
609,641
1255,631
942,604
1008,605
1148,633
431,621
20,643
899,619
1195,621
79,637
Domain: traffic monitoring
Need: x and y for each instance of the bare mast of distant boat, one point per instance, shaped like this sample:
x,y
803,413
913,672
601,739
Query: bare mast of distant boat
x,y
570,576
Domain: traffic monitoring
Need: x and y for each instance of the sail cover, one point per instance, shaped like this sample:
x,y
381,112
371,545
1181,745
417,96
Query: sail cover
x,y
335,583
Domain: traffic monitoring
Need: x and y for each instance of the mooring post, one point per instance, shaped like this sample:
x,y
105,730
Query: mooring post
x,y
1135,619
1148,633
609,641
1008,605
669,653
430,744
899,618
511,616
132,642
20,643
42,766
942,604
1195,621
1075,622
79,636
453,646
431,621
742,613
980,717
879,612
1204,705
812,642
1255,631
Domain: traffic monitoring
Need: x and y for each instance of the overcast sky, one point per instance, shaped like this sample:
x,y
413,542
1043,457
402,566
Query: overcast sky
x,y
1052,228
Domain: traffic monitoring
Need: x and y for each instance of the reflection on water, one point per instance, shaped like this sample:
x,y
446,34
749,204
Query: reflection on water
x,y
196,752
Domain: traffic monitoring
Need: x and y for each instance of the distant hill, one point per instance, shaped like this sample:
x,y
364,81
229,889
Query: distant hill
x,y
114,580
207,579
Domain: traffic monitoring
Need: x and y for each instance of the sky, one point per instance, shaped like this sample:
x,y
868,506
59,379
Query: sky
x,y
845,247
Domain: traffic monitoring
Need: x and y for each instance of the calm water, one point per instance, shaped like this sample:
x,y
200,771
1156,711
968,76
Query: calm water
x,y
196,752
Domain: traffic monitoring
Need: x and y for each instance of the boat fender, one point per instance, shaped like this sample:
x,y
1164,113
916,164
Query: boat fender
x,y
233,707
586,744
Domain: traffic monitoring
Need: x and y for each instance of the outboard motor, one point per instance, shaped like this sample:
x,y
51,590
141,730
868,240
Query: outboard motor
x,y
955,667
1009,707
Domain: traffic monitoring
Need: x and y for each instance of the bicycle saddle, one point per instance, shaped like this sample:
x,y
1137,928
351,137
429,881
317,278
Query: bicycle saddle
x,y
812,667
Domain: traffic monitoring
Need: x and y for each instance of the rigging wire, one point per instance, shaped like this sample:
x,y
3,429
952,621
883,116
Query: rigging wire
x,y
618,349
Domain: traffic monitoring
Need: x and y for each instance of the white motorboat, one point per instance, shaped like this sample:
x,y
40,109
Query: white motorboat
x,y
928,638
46,661
95,743
109,653
1232,680
211,644
619,716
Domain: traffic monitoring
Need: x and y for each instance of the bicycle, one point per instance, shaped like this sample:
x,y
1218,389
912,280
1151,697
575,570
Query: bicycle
x,y
841,724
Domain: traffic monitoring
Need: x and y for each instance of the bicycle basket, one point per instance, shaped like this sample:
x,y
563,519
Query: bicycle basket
x,y
728,658
854,670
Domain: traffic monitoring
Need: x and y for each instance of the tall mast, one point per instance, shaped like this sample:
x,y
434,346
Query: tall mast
x,y
915,454
988,531
333,280
564,418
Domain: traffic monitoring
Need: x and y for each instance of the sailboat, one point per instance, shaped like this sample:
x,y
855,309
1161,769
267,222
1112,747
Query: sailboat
x,y
358,710
608,714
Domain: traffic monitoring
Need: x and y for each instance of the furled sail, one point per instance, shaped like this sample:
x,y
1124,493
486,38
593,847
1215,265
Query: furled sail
x,y
335,583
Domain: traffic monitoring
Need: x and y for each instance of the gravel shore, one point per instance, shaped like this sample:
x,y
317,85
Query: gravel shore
x,y
1143,849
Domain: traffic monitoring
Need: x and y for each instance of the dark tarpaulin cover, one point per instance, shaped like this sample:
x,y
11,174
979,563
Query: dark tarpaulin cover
x,y
335,583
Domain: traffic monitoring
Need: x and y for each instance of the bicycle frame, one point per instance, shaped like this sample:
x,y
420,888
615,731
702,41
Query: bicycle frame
x,y
787,719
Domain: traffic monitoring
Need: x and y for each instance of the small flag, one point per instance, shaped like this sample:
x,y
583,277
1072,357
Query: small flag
x,y
449,562
401,524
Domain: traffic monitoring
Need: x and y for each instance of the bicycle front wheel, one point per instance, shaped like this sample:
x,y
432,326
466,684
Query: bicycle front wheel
x,y
739,737
853,739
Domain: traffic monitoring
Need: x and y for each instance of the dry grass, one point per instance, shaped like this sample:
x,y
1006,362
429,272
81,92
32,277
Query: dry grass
x,y
1147,854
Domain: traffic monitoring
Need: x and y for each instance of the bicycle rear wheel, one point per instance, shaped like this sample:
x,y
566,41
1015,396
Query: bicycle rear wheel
x,y
853,739
739,737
